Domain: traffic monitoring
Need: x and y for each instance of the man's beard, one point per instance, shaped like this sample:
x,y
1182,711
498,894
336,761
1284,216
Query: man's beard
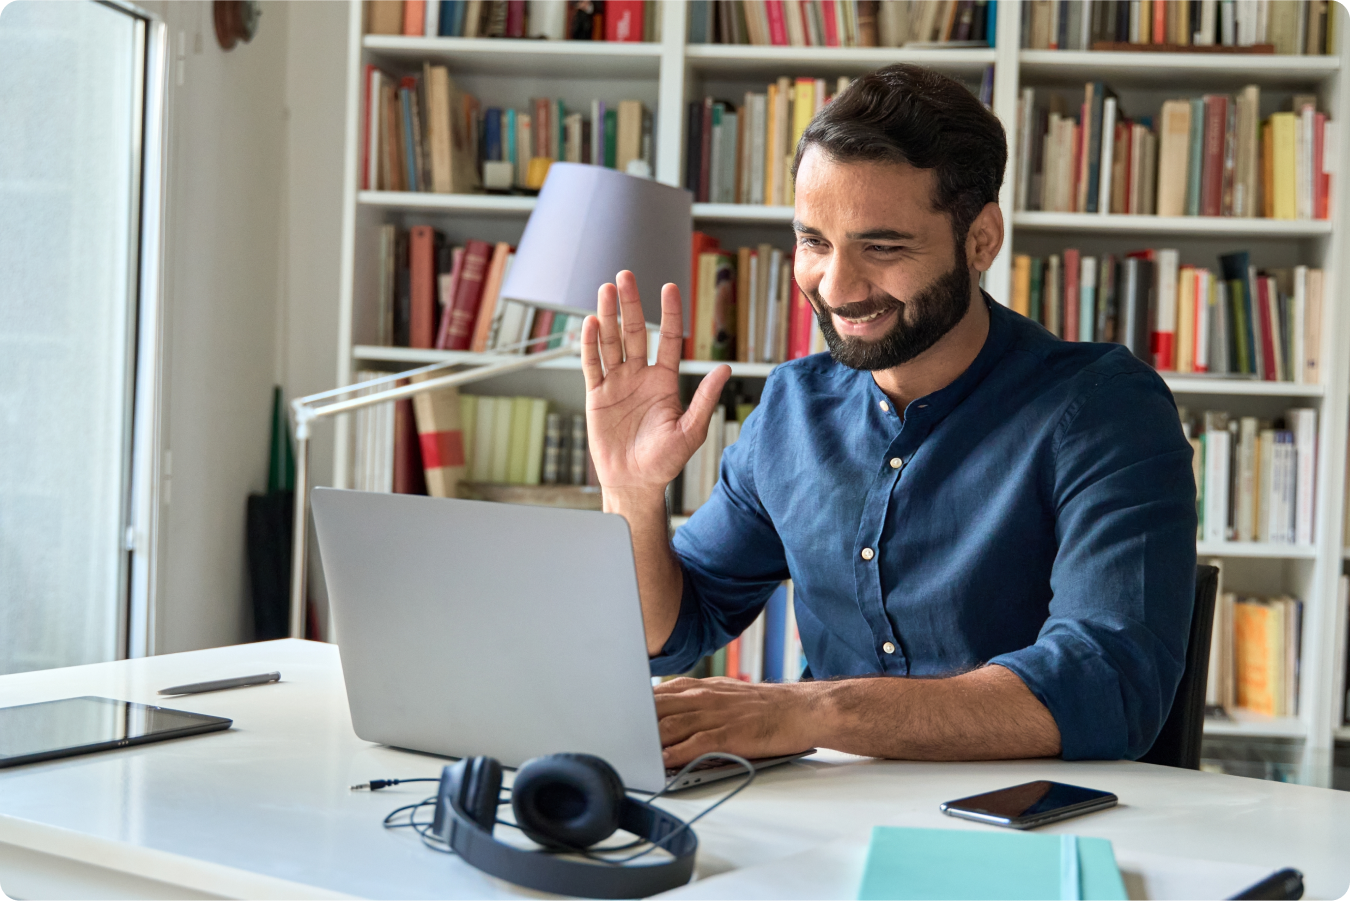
x,y
938,308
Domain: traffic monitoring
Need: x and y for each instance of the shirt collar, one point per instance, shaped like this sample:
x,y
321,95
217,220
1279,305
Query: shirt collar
x,y
931,408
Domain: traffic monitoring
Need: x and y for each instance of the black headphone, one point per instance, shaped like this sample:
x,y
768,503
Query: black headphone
x,y
565,802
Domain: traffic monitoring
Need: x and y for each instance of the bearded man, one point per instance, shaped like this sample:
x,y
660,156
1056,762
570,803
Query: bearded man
x,y
990,531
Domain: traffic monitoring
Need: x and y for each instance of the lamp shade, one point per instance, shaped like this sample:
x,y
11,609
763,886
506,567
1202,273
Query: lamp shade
x,y
591,222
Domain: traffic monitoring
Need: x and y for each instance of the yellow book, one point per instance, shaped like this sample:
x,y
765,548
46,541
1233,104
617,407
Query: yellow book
x,y
771,129
468,417
1185,342
1258,655
500,441
534,442
1283,127
517,455
782,136
1021,291
803,108
704,312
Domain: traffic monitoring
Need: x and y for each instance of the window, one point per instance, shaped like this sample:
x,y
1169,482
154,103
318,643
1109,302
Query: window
x,y
81,99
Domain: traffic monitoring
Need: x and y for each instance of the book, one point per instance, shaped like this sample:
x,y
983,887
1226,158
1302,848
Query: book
x,y
423,243
440,439
468,295
908,862
493,279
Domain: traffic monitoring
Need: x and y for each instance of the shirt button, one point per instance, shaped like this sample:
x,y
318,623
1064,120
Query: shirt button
x,y
868,553
888,648
896,462
885,407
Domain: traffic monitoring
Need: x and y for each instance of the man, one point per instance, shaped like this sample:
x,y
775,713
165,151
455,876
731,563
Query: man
x,y
998,524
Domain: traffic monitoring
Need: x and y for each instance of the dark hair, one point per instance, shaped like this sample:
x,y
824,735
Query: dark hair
x,y
906,113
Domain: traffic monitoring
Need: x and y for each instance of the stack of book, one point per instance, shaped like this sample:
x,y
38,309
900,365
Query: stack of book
x,y
1255,654
842,23
1240,322
434,295
1202,156
1283,26
1255,479
609,20
744,154
769,650
420,133
746,307
440,439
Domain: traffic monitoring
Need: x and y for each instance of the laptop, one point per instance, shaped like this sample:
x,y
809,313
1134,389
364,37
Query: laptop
x,y
474,628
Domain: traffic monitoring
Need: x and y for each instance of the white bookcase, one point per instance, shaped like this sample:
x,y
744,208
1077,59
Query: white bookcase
x,y
666,75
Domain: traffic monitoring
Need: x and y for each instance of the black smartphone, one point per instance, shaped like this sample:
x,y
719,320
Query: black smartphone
x,y
1030,804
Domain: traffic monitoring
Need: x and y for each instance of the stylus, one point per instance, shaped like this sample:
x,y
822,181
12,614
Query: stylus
x,y
1287,883
218,684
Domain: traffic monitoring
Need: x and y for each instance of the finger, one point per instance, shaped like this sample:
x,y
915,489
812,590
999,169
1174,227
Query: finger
x,y
679,727
680,683
607,312
634,323
672,328
684,751
591,370
695,420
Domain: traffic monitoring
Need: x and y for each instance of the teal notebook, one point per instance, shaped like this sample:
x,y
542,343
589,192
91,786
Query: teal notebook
x,y
905,863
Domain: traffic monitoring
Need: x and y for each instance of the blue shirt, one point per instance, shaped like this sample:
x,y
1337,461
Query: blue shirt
x,y
1037,513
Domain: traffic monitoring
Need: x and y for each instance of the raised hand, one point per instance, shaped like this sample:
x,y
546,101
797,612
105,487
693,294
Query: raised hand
x,y
640,436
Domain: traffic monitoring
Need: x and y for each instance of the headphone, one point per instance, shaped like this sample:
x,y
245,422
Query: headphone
x,y
565,802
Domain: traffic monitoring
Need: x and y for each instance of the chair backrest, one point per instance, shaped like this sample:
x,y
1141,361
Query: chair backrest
x,y
1178,744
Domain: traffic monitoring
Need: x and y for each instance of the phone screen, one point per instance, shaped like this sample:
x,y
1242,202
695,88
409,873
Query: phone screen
x,y
1030,799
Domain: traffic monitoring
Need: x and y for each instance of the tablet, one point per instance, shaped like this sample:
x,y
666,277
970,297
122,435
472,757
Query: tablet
x,y
52,729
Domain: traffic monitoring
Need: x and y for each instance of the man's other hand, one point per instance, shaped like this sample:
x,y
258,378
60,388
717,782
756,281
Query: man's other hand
x,y
698,716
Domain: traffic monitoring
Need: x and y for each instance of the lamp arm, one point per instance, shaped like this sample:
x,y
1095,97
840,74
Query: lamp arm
x,y
306,410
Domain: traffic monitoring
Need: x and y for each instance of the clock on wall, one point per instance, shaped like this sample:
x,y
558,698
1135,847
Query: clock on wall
x,y
236,20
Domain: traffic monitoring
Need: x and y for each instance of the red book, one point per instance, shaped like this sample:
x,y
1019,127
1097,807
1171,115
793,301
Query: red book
x,y
542,327
408,475
414,17
468,295
421,285
447,286
1321,180
701,243
1265,309
734,659
1160,35
803,317
1211,165
1069,316
778,35
515,18
623,20
827,15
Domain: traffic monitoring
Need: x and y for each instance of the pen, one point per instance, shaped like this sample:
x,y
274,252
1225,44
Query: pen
x,y
1287,883
218,684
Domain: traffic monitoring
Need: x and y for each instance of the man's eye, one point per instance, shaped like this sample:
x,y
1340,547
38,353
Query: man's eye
x,y
885,248
807,241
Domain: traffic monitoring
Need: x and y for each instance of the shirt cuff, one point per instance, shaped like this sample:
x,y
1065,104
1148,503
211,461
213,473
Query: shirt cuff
x,y
681,650
1082,692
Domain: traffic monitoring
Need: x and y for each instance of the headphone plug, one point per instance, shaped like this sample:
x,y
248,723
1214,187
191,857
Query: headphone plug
x,y
377,784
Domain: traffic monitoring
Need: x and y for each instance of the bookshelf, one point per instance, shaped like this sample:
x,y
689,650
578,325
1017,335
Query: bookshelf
x,y
666,74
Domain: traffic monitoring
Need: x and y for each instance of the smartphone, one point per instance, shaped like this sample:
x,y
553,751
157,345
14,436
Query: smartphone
x,y
1030,804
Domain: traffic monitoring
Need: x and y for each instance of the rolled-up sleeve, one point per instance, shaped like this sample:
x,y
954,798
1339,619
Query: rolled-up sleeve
x,y
731,558
1108,659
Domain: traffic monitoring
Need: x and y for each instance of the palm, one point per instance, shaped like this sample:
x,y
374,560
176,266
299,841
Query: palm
x,y
639,434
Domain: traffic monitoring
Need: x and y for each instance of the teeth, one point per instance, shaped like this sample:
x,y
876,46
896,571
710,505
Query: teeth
x,y
864,319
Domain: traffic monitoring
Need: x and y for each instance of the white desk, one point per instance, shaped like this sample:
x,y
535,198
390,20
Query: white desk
x,y
264,810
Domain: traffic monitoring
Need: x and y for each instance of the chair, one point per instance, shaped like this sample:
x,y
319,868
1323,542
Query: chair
x,y
1178,744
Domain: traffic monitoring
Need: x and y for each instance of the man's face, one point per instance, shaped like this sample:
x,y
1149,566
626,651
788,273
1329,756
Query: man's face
x,y
879,264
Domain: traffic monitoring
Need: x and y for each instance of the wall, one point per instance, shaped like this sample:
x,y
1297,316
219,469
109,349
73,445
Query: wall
x,y
222,288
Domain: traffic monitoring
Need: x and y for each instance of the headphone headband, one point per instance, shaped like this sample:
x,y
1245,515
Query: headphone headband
x,y
551,873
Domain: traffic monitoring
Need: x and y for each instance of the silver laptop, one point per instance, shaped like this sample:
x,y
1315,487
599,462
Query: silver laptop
x,y
470,628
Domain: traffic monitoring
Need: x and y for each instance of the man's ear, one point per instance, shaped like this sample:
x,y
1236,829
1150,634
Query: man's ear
x,y
985,237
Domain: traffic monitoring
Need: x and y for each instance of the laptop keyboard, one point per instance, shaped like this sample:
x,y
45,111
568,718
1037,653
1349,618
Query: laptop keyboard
x,y
709,764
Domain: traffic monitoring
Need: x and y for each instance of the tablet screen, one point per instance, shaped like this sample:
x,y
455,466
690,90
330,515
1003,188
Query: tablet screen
x,y
51,729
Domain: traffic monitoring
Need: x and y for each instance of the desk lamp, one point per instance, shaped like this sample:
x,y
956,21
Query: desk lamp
x,y
588,224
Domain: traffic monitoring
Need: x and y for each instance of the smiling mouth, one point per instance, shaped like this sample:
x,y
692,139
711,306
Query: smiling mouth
x,y
863,319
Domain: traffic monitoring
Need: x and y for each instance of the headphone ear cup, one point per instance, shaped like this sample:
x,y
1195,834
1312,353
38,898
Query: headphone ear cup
x,y
480,788
567,800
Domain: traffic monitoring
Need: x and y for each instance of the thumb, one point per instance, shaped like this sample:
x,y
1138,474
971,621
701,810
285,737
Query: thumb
x,y
694,422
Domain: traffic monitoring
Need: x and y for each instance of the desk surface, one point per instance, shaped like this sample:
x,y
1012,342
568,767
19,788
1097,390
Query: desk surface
x,y
264,810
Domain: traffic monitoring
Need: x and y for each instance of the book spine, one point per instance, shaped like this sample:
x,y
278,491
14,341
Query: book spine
x,y
553,445
422,284
468,295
